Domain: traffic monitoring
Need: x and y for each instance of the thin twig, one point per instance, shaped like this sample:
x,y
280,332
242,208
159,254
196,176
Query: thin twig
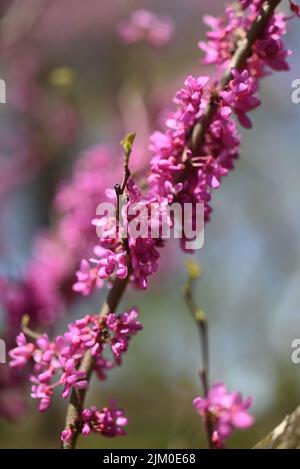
x,y
26,329
126,144
201,322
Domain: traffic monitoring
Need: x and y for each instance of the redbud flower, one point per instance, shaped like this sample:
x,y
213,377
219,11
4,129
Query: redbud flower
x,y
110,263
56,363
145,25
87,279
295,8
108,422
72,377
238,96
22,354
268,51
66,435
226,410
43,392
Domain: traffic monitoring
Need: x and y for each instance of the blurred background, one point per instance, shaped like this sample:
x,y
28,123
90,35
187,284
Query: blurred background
x,y
74,88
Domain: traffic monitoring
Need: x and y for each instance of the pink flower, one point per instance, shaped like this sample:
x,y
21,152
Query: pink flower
x,y
87,279
189,99
66,435
226,410
21,355
223,37
269,51
43,392
123,327
141,216
295,8
56,363
219,150
110,263
238,97
72,377
145,25
227,31
107,421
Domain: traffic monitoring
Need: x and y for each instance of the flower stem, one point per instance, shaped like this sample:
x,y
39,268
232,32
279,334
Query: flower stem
x,y
201,322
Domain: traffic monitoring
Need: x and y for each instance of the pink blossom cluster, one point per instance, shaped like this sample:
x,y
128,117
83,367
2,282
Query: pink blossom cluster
x,y
220,147
239,97
144,25
107,422
295,8
225,410
175,173
112,251
56,363
269,51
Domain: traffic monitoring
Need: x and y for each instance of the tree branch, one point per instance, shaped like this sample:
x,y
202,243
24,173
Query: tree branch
x,y
285,436
78,395
243,51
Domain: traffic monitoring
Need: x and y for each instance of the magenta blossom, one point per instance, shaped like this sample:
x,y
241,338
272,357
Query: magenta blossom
x,y
227,31
110,263
216,158
123,326
238,97
56,363
226,410
295,8
87,279
72,378
145,25
21,354
108,422
142,215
